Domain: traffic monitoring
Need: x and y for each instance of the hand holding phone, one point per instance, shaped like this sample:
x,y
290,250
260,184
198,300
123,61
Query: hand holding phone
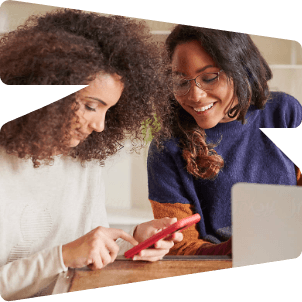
x,y
176,227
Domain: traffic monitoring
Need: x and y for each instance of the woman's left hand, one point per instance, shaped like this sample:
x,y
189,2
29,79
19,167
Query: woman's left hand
x,y
161,248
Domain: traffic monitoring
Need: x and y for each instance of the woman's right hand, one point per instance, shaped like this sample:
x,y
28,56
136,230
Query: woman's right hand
x,y
96,249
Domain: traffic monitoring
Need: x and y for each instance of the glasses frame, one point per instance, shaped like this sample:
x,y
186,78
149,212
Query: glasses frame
x,y
198,84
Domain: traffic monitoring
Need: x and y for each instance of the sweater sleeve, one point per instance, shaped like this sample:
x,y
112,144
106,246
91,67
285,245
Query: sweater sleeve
x,y
191,243
169,194
23,278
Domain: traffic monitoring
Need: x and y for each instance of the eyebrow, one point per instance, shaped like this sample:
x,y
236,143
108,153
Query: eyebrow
x,y
96,99
197,71
204,68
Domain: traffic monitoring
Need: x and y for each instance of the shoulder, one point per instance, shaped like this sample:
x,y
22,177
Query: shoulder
x,y
283,100
283,110
167,157
12,163
169,147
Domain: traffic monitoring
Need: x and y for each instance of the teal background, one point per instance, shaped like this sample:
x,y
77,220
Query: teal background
x,y
279,281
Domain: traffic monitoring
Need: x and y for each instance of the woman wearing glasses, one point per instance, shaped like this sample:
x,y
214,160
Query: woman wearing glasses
x,y
52,208
220,100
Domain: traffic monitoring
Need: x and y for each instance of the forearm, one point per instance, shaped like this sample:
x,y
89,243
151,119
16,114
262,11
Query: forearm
x,y
24,277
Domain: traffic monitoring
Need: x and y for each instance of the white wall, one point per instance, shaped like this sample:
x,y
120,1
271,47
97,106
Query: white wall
x,y
14,13
127,188
287,78
120,170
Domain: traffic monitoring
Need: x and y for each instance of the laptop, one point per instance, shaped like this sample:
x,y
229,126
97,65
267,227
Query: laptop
x,y
266,222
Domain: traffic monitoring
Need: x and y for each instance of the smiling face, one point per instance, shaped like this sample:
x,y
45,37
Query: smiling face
x,y
210,107
94,101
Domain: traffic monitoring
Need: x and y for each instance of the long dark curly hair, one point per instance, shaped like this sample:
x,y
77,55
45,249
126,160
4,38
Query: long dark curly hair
x,y
71,47
239,58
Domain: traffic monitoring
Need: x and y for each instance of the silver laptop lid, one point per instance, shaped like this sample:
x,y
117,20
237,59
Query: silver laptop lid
x,y
267,223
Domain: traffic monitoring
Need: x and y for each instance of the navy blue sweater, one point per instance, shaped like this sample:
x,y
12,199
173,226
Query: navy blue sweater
x,y
249,156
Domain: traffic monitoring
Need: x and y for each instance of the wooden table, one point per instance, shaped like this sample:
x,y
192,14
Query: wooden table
x,y
124,271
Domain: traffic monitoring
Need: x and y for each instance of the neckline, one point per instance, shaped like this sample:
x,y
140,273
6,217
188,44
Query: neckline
x,y
227,129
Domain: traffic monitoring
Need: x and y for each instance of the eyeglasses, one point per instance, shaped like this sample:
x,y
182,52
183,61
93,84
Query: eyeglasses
x,y
204,81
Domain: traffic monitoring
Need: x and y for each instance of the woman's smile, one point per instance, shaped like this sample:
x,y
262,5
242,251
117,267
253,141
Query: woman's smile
x,y
204,109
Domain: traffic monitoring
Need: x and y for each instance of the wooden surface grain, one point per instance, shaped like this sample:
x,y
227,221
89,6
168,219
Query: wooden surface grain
x,y
122,272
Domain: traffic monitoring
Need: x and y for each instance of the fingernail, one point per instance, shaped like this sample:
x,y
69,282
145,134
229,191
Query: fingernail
x,y
134,258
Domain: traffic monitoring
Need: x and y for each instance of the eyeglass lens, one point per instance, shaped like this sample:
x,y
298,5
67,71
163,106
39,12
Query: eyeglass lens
x,y
206,81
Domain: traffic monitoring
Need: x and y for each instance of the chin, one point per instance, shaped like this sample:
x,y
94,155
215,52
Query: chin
x,y
206,126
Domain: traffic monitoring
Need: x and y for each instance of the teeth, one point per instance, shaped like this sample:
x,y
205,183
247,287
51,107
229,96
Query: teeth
x,y
204,108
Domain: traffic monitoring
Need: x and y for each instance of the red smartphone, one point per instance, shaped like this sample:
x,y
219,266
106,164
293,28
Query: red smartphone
x,y
175,227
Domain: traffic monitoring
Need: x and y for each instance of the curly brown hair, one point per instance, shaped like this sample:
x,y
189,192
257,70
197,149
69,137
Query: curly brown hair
x,y
239,58
68,47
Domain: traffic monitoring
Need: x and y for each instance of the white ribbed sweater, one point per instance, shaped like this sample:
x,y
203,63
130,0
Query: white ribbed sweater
x,y
40,210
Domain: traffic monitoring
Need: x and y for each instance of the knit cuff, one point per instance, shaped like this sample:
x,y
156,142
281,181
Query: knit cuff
x,y
224,248
61,261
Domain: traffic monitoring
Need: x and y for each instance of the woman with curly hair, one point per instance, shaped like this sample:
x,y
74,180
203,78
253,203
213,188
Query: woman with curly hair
x,y
52,197
220,100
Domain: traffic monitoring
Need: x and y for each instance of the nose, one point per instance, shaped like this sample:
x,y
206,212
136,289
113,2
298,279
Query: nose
x,y
97,125
195,93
